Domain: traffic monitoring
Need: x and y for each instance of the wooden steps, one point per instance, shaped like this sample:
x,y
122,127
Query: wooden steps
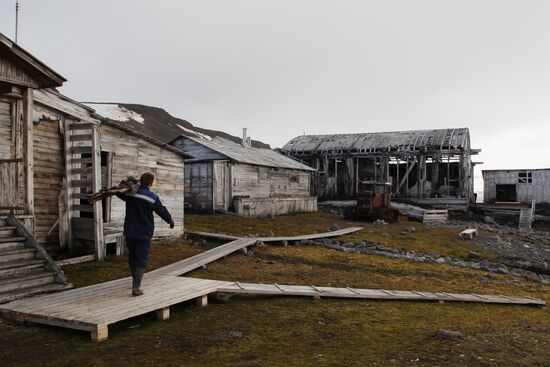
x,y
23,269
525,218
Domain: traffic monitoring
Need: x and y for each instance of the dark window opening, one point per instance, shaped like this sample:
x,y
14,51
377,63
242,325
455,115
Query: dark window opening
x,y
506,193
525,177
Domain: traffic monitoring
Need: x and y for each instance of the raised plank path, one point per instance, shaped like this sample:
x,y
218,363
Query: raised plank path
x,y
379,294
95,307
313,236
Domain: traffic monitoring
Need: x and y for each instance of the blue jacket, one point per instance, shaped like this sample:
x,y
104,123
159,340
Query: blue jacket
x,y
139,222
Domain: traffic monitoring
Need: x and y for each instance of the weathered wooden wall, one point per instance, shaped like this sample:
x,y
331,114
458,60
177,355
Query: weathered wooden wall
x,y
6,122
12,73
261,207
538,189
266,182
132,155
49,170
199,187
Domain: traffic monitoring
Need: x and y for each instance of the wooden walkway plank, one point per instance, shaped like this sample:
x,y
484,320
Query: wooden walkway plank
x,y
313,236
381,294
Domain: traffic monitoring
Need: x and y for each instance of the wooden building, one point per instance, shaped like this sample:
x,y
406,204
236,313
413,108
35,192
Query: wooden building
x,y
516,185
224,175
55,151
431,167
92,153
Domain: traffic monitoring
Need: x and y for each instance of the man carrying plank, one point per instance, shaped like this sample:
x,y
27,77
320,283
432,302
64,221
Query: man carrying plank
x,y
139,226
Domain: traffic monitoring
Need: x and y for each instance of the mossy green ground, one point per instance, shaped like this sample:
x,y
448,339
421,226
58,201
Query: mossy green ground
x,y
278,331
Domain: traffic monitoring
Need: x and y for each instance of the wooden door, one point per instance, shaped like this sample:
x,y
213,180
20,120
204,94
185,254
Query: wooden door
x,y
220,185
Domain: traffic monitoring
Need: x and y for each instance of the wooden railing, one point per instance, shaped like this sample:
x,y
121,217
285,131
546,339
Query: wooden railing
x,y
12,184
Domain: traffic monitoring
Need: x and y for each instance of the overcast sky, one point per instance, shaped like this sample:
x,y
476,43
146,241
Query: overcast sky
x,y
282,68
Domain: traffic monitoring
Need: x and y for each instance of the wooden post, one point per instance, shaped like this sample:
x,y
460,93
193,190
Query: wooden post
x,y
100,333
448,174
65,222
374,159
356,175
202,301
163,314
28,157
99,245
397,176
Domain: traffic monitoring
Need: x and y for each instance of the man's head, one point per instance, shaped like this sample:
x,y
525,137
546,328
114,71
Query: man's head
x,y
147,179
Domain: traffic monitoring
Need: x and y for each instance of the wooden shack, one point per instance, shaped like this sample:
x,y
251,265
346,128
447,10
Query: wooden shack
x,y
427,167
54,151
224,175
119,152
516,185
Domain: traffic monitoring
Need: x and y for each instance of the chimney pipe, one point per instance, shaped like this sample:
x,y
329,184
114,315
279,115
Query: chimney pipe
x,y
244,141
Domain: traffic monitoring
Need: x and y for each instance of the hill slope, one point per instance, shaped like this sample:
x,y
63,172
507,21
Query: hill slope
x,y
158,123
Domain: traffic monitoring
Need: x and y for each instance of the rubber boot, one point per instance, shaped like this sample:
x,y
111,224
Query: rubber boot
x,y
137,275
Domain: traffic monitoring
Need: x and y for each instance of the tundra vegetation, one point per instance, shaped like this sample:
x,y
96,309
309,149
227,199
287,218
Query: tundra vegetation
x,y
281,331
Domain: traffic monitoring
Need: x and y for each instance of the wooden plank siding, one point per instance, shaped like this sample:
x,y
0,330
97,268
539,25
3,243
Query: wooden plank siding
x,y
49,170
198,184
536,188
132,155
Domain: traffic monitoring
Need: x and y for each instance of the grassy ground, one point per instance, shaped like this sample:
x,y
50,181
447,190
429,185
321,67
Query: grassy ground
x,y
272,331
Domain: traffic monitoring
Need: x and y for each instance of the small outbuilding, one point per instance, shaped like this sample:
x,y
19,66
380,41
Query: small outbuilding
x,y
227,176
516,185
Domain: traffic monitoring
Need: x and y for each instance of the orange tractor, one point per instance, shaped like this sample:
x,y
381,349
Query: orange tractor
x,y
374,202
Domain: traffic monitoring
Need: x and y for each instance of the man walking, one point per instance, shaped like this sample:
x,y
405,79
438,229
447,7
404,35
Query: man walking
x,y
139,226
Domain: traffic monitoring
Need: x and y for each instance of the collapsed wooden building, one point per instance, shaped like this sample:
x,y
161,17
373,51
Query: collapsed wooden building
x,y
428,167
224,175
53,153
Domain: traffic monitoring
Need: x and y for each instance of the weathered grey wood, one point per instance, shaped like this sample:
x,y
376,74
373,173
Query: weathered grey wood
x,y
99,244
340,232
28,150
31,242
381,294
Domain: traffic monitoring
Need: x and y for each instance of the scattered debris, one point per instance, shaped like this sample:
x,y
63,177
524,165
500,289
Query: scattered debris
x,y
468,234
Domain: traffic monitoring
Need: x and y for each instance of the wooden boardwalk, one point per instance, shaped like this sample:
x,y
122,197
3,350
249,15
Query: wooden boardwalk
x,y
95,307
191,263
313,236
378,294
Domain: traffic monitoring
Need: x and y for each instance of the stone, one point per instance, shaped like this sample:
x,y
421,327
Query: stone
x,y
449,334
334,227
488,220
440,260
236,334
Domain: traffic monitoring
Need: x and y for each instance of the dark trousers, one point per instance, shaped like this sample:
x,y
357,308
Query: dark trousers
x,y
138,252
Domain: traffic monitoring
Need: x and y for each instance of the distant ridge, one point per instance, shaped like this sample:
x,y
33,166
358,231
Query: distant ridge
x,y
158,123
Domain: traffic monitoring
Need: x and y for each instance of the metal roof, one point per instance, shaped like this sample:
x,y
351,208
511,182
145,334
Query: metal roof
x,y
250,155
414,140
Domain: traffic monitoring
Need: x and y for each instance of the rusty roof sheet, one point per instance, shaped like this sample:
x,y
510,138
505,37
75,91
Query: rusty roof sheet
x,y
439,139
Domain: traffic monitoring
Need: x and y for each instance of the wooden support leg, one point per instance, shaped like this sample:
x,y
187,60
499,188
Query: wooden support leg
x,y
100,333
285,243
202,300
244,250
163,313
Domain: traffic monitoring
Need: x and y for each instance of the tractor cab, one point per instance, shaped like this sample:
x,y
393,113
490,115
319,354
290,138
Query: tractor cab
x,y
374,201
